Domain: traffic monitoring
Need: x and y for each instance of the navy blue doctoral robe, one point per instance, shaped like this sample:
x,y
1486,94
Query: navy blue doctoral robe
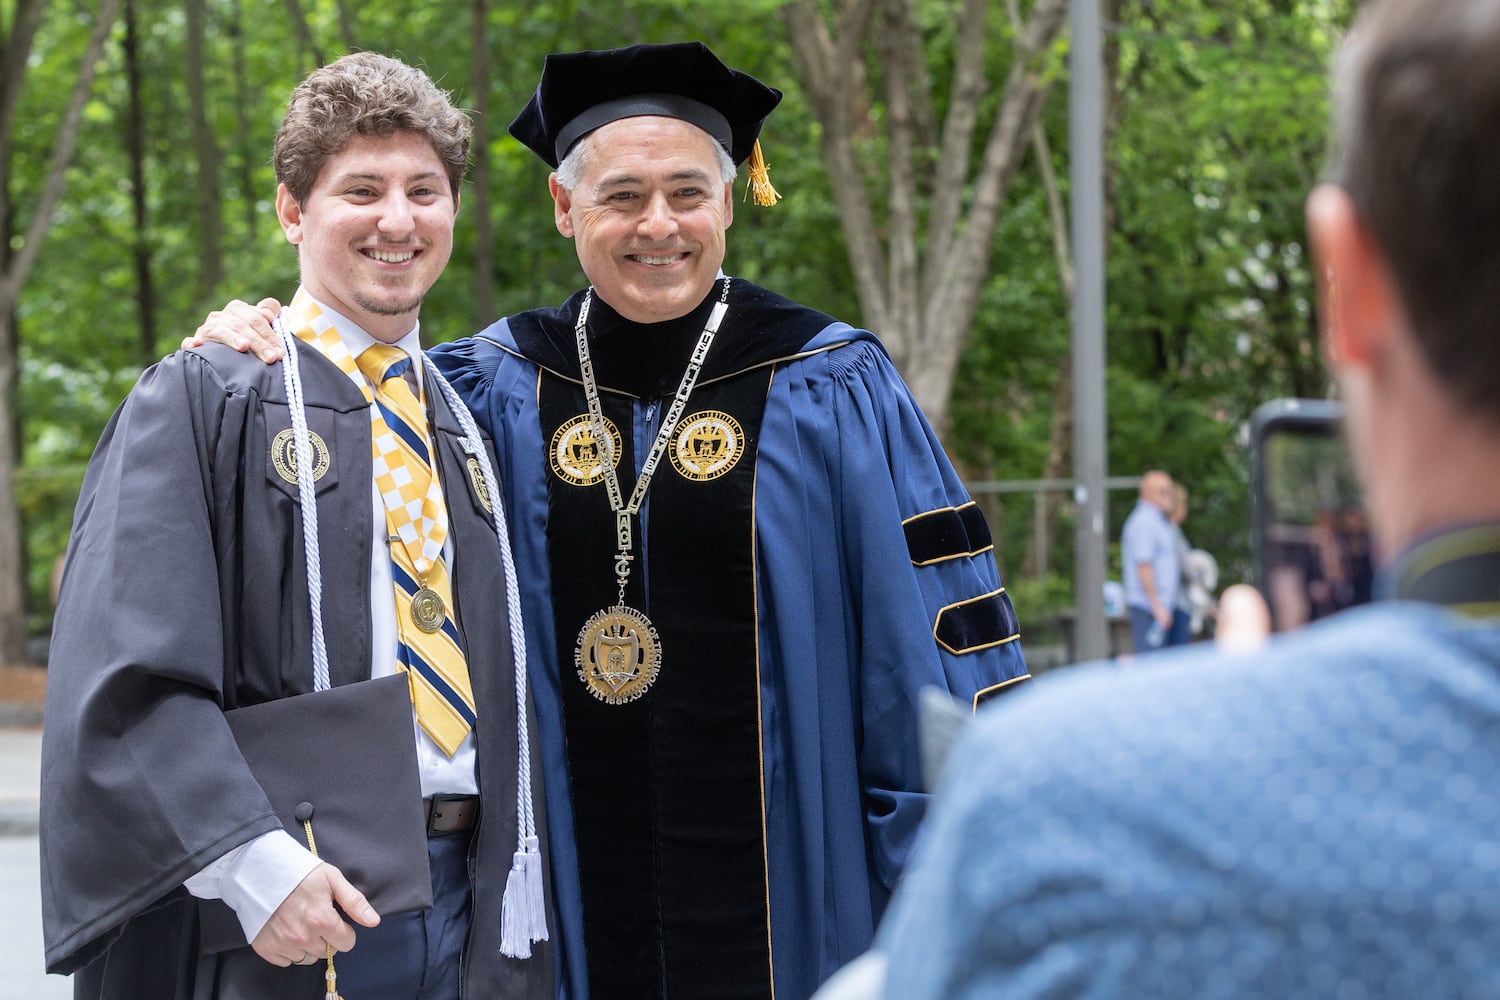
x,y
873,577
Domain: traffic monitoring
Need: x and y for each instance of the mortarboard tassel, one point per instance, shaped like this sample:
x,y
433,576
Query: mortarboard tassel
x,y
760,179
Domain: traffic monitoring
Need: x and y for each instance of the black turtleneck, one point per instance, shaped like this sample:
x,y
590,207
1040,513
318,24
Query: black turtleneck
x,y
646,360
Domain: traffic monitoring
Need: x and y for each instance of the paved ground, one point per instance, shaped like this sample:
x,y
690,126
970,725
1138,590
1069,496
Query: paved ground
x,y
20,778
21,692
22,976
22,972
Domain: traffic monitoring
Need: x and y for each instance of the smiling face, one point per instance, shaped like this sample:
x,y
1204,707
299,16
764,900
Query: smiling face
x,y
648,215
375,231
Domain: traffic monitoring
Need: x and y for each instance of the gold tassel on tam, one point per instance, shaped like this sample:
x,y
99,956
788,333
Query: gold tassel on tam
x,y
760,179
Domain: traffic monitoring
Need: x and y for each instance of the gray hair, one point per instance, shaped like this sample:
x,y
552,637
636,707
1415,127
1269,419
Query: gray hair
x,y
570,171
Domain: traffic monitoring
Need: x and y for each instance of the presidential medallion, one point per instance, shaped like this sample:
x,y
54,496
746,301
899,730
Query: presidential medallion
x,y
428,610
707,445
284,455
618,655
578,456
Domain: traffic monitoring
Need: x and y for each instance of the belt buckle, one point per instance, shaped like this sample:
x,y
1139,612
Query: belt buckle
x,y
442,821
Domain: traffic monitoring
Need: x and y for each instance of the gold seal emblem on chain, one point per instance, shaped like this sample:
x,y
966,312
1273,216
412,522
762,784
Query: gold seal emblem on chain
x,y
618,655
578,453
707,445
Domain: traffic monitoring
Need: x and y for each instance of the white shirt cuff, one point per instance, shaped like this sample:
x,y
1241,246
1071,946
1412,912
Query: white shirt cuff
x,y
255,878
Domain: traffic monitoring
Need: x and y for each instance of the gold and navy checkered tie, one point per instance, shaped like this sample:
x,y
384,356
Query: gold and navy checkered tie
x,y
417,519
440,689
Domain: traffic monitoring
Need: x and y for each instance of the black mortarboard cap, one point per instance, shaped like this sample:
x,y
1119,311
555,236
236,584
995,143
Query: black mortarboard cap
x,y
580,91
343,760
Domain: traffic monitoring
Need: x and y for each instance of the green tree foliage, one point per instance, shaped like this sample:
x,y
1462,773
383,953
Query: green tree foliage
x,y
1220,116
1220,121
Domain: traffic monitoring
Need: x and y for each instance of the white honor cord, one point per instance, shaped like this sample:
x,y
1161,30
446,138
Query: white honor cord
x,y
512,595
307,499
519,928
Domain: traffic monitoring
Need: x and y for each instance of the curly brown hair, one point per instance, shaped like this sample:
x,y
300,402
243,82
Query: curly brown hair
x,y
365,94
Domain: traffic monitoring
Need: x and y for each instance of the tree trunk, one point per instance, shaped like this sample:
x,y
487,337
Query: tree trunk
x,y
135,147
833,77
12,548
303,31
206,153
961,274
920,296
346,27
15,43
242,107
1059,461
17,266
479,191
1060,434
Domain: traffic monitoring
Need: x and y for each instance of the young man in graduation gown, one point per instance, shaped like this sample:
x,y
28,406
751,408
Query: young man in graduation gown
x,y
186,594
742,554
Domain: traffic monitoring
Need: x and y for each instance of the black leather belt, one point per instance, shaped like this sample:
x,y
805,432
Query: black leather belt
x,y
450,814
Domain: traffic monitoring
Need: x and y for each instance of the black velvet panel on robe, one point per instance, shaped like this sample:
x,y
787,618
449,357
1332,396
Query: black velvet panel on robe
x,y
667,789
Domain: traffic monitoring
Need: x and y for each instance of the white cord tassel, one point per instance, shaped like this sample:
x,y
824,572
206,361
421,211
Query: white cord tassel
x,y
521,911
536,907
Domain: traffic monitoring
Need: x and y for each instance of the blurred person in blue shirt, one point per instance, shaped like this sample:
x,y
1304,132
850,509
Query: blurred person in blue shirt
x,y
1152,563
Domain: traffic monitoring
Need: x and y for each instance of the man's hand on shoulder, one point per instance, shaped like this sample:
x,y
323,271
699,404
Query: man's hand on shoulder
x,y
308,920
243,327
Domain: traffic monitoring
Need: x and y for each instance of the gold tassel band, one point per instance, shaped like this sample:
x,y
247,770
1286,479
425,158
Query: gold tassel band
x,y
760,179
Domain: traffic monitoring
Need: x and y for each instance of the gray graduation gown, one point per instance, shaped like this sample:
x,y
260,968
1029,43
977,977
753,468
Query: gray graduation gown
x,y
184,595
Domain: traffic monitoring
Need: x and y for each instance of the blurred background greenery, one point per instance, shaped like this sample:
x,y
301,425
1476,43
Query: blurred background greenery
x,y
1216,115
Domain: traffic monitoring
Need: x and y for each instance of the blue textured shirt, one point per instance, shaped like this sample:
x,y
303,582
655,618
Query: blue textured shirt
x,y
1316,819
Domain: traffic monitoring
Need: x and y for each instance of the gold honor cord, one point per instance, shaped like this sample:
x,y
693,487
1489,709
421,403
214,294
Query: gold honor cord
x,y
619,652
304,815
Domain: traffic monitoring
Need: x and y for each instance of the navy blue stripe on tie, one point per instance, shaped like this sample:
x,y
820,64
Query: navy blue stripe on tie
x,y
399,427
403,579
414,661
